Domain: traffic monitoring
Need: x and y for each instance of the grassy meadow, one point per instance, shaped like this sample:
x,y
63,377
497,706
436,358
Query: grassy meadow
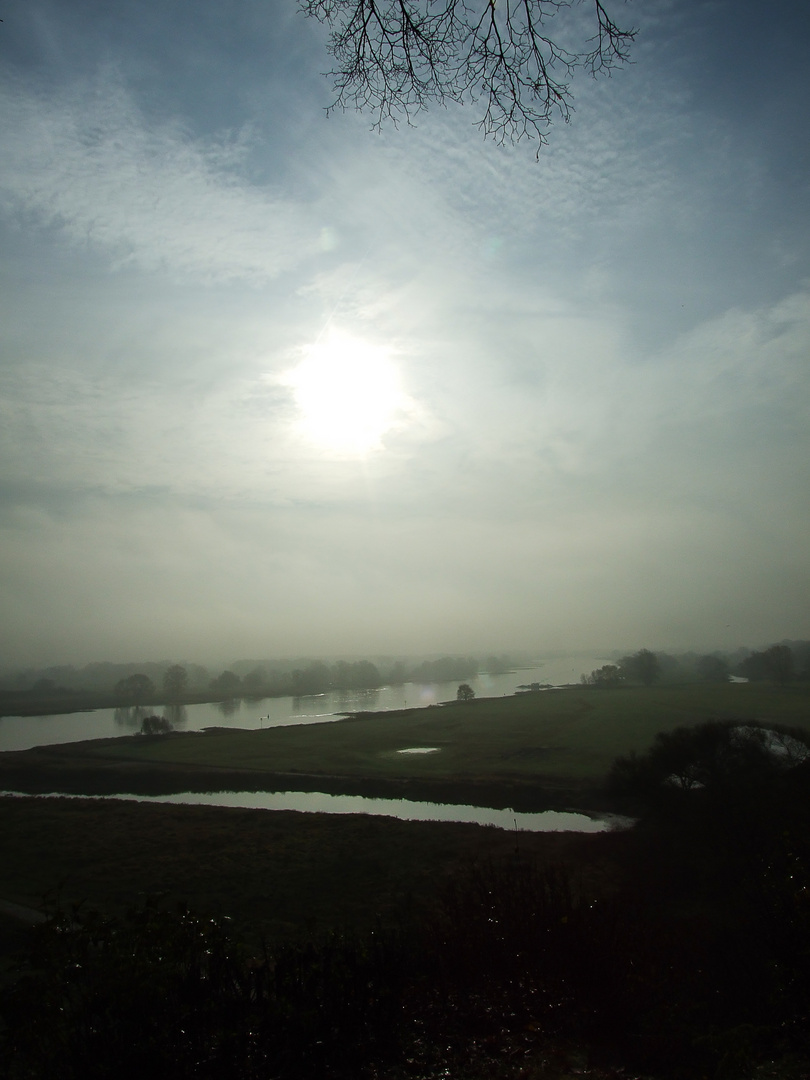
x,y
562,734
530,751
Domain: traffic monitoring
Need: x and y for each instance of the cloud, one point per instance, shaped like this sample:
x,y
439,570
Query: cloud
x,y
608,439
90,166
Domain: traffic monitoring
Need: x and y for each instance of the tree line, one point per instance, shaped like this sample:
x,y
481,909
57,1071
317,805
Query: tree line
x,y
314,677
778,664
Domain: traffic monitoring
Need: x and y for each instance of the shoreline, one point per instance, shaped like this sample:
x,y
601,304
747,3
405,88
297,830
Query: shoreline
x,y
42,772
21,703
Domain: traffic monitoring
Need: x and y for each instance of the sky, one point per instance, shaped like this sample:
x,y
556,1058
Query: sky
x,y
274,384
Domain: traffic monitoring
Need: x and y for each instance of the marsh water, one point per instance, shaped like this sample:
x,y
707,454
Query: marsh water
x,y
24,732
403,809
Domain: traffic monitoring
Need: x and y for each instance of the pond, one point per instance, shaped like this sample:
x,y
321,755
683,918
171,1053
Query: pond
x,y
24,732
403,809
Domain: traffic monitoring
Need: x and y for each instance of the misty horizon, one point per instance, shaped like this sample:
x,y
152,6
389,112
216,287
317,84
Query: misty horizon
x,y
202,670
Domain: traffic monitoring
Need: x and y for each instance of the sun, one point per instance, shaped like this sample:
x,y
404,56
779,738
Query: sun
x,y
348,393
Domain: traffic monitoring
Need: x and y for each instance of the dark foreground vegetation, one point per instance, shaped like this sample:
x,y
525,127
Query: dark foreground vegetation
x,y
515,972
687,955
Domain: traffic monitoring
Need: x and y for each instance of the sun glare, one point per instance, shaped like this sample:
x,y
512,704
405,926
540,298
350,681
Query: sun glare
x,y
348,394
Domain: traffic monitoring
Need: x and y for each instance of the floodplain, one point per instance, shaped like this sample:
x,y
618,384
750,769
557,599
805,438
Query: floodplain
x,y
533,752
653,898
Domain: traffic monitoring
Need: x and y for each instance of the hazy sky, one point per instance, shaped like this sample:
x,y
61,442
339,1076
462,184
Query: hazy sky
x,y
275,384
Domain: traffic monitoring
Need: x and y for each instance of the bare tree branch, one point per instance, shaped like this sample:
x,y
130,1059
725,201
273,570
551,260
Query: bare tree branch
x,y
394,58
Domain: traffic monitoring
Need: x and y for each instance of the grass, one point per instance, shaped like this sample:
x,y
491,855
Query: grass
x,y
279,872
571,733
287,869
530,752
565,740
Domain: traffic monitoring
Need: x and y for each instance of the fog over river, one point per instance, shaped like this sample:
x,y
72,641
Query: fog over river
x,y
24,732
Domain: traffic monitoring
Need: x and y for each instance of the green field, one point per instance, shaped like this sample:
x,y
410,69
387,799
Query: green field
x,y
530,751
565,734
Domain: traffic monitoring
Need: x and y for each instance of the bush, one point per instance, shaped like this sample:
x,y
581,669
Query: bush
x,y
155,725
166,992
718,756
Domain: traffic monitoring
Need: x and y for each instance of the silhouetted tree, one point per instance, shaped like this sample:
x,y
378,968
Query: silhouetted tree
x,y
715,755
398,674
604,677
446,669
360,675
49,687
134,690
712,669
393,58
155,725
175,682
465,692
315,678
255,681
774,665
641,666
226,685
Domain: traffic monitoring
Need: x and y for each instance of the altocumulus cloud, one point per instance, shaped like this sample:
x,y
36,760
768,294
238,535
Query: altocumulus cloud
x,y
89,165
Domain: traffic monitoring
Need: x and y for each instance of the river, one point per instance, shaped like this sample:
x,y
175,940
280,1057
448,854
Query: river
x,y
25,732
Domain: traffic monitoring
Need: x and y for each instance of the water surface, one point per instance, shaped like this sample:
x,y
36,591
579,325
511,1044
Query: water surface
x,y
24,732
405,810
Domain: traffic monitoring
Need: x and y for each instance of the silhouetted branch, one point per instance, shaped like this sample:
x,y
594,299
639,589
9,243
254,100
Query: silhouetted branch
x,y
395,57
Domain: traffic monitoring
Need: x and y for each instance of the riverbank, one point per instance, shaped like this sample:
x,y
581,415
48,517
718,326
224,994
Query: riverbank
x,y
275,874
66,770
665,945
530,752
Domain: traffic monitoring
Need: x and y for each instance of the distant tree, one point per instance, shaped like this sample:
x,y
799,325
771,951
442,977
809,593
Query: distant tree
x,y
227,685
134,690
605,677
773,665
712,669
671,668
315,678
465,692
360,675
397,675
641,666
175,682
366,675
48,687
255,681
801,658
155,725
446,669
